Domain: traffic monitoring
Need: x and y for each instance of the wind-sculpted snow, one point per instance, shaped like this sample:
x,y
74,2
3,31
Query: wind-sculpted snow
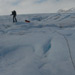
x,y
38,47
47,47
64,17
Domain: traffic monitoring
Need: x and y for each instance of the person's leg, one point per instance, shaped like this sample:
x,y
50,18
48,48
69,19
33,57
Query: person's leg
x,y
13,19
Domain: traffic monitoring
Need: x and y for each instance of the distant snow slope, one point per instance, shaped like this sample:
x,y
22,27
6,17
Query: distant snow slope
x,y
71,10
45,46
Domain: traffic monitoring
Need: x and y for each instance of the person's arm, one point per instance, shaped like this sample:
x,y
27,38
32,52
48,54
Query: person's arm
x,y
11,14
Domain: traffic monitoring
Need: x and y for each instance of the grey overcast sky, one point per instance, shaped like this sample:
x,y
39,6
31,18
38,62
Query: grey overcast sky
x,y
34,6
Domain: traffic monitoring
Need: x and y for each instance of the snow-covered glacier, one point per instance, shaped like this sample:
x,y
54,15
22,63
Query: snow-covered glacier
x,y
45,46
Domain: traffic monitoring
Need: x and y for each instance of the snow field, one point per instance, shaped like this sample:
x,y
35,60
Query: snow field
x,y
37,47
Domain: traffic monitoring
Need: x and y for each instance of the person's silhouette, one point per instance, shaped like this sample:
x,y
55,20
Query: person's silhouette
x,y
14,16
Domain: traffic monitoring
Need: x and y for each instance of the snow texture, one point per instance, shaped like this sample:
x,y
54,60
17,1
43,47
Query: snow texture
x,y
45,46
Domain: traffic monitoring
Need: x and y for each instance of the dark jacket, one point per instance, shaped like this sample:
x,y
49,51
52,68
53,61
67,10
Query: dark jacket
x,y
14,13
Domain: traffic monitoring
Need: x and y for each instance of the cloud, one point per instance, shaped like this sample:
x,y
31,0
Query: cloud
x,y
40,1
34,6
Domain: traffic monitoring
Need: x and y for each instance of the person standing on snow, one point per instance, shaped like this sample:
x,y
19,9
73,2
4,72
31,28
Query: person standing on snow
x,y
14,16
